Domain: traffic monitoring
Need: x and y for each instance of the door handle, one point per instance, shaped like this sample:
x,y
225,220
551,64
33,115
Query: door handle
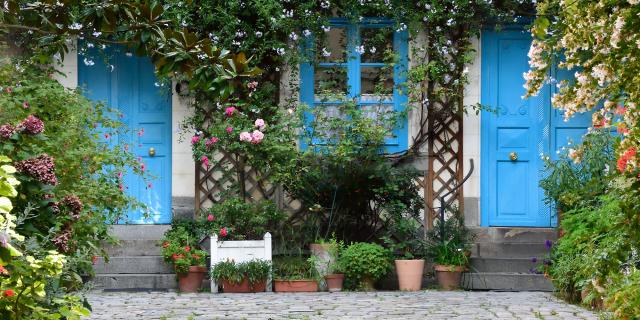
x,y
513,156
152,151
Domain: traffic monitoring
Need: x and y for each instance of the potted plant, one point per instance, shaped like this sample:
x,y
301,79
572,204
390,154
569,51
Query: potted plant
x,y
448,246
295,274
243,277
406,240
364,263
334,276
188,262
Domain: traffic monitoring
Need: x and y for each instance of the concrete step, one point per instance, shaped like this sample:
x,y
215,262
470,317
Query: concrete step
x,y
514,235
139,231
509,250
135,281
517,265
506,281
135,265
134,248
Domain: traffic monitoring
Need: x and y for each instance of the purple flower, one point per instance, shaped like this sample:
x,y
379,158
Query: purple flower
x,y
548,244
534,260
6,131
32,125
42,168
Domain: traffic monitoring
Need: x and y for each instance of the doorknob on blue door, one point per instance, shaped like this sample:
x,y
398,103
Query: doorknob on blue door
x,y
152,151
513,156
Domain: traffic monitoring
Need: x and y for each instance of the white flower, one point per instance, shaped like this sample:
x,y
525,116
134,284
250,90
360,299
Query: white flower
x,y
360,49
326,28
280,51
306,32
258,34
88,62
240,34
326,53
293,36
325,4
287,13
75,26
402,27
89,45
96,33
372,50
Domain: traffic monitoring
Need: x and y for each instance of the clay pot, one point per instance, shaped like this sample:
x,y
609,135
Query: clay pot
x,y
295,286
449,276
410,274
243,287
334,282
191,281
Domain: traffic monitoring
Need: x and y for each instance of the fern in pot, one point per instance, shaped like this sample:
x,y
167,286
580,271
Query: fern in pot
x,y
448,245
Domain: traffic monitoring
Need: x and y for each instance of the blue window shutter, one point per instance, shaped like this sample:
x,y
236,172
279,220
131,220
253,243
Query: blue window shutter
x,y
306,87
400,98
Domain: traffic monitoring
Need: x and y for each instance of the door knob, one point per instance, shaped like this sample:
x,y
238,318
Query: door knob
x,y
513,156
152,151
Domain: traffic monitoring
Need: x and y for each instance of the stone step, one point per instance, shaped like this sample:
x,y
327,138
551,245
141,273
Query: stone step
x,y
506,281
134,248
135,281
518,265
514,235
139,231
509,250
135,265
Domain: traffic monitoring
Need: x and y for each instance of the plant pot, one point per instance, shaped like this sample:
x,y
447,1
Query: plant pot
x,y
243,287
295,285
321,250
191,281
449,276
410,274
334,282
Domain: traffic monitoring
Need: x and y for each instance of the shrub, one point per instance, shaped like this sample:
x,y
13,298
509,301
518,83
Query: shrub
x,y
255,270
364,261
294,268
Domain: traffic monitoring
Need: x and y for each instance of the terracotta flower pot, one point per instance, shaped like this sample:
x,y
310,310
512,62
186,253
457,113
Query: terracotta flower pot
x,y
243,287
410,274
191,281
334,282
295,285
449,276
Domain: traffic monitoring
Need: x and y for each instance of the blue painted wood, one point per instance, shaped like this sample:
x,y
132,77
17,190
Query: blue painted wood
x,y
510,192
130,86
399,140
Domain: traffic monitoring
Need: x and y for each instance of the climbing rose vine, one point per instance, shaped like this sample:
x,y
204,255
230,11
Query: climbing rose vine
x,y
598,42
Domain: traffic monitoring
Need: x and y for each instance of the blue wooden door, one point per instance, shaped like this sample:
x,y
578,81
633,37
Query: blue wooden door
x,y
516,135
130,86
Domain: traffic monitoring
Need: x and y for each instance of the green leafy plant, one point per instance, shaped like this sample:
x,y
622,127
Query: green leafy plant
x,y
448,243
255,271
364,262
405,238
295,267
179,247
235,219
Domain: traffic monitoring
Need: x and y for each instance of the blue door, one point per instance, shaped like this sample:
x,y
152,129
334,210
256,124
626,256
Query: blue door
x,y
130,86
516,135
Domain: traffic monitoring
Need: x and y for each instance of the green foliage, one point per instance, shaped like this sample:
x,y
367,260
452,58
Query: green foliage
x,y
255,270
624,296
180,247
581,173
405,238
243,221
448,243
362,261
294,268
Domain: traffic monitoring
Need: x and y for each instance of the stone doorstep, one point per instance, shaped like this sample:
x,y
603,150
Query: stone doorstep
x,y
135,265
514,235
506,281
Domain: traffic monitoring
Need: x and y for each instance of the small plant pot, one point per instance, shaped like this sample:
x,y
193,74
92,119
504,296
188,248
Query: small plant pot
x,y
334,282
410,274
191,281
243,287
295,285
449,276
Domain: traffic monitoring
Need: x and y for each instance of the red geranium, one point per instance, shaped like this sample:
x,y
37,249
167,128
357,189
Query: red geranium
x,y
187,249
165,244
223,232
9,293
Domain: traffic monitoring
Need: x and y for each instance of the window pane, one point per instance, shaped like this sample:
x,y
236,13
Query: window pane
x,y
330,83
381,113
377,44
376,84
328,119
333,46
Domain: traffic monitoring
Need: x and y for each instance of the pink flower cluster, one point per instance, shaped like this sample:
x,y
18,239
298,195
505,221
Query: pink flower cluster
x,y
32,125
628,156
195,139
211,141
230,111
205,161
74,203
42,168
6,131
256,136
61,240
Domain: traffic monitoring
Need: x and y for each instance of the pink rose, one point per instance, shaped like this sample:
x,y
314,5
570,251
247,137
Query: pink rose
x,y
195,139
229,130
230,111
205,161
260,124
245,136
211,141
210,218
256,137
223,232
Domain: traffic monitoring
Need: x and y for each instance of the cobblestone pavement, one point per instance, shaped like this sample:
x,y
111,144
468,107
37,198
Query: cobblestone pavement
x,y
347,305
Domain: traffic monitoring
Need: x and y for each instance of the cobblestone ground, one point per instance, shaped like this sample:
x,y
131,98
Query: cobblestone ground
x,y
348,305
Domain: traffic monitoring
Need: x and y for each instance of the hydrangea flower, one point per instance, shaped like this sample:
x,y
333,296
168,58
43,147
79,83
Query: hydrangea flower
x,y
32,125
260,124
256,137
245,136
6,131
74,203
42,168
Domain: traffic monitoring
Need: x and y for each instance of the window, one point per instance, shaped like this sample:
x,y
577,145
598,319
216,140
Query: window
x,y
365,63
